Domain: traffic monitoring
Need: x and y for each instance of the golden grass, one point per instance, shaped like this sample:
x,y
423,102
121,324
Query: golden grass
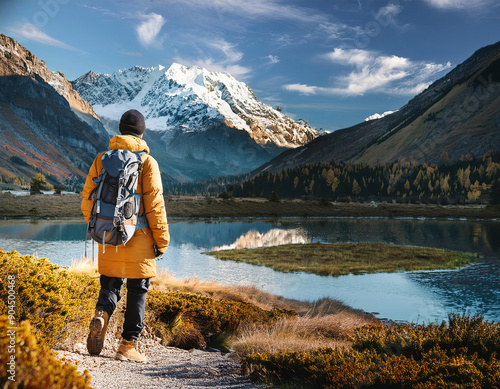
x,y
344,258
168,282
304,333
324,323
459,354
84,266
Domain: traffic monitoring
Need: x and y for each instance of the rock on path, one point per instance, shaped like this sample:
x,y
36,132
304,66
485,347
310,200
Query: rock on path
x,y
167,367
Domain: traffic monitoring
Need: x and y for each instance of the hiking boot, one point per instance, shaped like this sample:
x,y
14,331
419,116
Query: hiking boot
x,y
127,352
97,333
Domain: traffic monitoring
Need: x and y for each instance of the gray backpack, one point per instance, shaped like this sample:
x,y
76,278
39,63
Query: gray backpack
x,y
115,212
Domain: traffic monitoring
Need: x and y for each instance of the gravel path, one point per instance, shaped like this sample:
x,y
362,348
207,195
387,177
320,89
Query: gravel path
x,y
167,367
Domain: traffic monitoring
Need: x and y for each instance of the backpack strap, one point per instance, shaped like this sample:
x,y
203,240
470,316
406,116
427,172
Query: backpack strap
x,y
96,196
142,221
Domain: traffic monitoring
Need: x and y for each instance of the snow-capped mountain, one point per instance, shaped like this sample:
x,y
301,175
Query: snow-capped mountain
x,y
188,97
209,124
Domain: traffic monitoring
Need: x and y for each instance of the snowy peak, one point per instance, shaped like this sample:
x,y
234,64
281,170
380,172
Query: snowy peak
x,y
190,99
105,89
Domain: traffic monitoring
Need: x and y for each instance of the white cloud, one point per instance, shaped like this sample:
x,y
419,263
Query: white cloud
x,y
220,56
258,9
149,28
374,73
458,4
371,71
339,30
302,88
386,16
226,48
356,57
34,33
237,71
104,11
273,59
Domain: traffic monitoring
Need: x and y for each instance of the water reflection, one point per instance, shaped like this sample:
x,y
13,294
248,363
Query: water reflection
x,y
274,237
44,231
400,296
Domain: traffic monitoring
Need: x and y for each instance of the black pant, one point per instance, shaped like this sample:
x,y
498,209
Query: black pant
x,y
137,289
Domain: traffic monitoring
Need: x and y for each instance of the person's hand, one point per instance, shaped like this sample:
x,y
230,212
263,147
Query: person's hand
x,y
158,253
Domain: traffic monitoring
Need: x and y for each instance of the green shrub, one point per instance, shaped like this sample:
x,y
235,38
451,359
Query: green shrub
x,y
460,354
35,365
56,302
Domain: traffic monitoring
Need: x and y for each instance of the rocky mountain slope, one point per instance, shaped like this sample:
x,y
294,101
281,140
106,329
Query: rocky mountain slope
x,y
201,123
457,114
45,126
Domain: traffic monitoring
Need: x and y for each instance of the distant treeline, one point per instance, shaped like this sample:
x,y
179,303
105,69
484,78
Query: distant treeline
x,y
469,179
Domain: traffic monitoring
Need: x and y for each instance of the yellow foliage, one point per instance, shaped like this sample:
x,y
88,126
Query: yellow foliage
x,y
459,354
55,301
27,363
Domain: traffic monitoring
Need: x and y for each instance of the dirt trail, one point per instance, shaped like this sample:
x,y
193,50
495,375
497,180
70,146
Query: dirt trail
x,y
167,367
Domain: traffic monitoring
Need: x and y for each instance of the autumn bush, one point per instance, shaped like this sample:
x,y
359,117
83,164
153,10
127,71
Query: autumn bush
x,y
459,354
188,320
34,364
56,302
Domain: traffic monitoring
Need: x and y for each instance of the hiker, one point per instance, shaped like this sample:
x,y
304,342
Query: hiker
x,y
136,260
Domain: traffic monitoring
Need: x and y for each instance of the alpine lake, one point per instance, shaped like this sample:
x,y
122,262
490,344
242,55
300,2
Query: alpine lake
x,y
419,296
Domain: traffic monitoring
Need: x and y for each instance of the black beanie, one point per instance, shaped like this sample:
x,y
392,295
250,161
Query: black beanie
x,y
132,123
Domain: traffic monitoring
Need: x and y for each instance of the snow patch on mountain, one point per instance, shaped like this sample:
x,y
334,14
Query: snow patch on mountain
x,y
376,116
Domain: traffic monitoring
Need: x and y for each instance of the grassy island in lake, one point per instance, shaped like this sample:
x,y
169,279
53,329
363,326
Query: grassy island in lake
x,y
344,258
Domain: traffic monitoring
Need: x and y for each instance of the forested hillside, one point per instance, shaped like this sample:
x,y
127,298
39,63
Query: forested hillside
x,y
470,179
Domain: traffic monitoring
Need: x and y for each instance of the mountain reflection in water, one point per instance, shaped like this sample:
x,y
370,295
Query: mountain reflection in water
x,y
274,237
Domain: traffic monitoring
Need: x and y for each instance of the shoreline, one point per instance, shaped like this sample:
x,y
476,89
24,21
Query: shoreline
x,y
60,207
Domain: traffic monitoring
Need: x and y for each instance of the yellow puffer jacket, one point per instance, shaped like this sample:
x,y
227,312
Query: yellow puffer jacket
x,y
137,258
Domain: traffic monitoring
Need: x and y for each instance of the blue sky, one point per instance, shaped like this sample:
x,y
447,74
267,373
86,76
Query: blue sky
x,y
331,62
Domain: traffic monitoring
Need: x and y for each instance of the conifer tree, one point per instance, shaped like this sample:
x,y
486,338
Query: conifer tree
x,y
38,183
356,189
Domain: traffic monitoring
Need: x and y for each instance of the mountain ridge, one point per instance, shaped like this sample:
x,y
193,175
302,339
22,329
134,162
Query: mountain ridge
x,y
17,60
456,114
45,126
